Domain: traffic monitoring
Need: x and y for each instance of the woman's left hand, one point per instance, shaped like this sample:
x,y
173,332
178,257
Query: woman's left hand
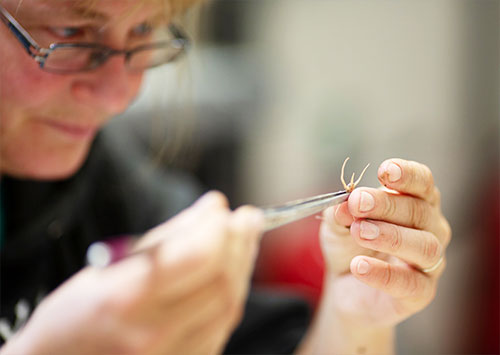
x,y
385,248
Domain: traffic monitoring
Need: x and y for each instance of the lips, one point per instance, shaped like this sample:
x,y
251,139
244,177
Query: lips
x,y
74,131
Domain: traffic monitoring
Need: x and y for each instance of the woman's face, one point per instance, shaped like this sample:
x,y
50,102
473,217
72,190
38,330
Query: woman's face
x,y
48,121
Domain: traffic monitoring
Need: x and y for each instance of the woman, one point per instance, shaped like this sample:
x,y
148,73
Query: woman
x,y
183,290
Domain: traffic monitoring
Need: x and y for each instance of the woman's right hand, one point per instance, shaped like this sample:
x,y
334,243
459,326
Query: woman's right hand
x,y
182,292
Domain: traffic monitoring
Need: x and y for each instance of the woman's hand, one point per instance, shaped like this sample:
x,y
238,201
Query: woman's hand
x,y
183,292
378,243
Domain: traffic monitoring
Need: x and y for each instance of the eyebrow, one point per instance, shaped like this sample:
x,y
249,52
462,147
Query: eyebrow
x,y
86,13
66,10
78,12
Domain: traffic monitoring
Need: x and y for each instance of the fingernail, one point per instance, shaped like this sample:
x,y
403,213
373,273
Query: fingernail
x,y
369,230
393,172
363,267
366,202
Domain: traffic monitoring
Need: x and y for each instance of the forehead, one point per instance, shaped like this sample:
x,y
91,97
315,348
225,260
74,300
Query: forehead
x,y
99,10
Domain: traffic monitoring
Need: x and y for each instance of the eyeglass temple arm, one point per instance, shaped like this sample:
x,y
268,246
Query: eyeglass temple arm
x,y
27,41
178,33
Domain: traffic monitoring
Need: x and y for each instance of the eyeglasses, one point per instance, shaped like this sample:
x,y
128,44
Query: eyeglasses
x,y
67,58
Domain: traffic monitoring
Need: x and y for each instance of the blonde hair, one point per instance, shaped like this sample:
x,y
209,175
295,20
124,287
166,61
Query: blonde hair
x,y
171,8
172,146
171,143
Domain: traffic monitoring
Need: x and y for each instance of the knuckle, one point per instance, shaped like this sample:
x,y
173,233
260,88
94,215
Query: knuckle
x,y
419,214
423,173
428,178
220,199
396,239
431,250
390,207
412,284
388,278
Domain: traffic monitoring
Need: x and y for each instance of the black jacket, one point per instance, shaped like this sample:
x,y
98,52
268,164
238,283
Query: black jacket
x,y
48,227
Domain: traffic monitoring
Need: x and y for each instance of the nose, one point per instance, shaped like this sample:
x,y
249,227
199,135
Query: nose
x,y
109,88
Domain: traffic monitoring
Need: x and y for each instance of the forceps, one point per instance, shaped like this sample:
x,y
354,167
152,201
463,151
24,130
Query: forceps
x,y
101,254
276,216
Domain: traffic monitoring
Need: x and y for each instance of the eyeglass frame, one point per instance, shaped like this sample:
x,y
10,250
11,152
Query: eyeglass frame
x,y
40,54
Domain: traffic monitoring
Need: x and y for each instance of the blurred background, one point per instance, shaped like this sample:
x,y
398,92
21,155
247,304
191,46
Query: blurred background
x,y
275,94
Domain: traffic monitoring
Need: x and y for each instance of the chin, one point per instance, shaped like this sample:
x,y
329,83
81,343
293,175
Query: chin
x,y
53,173
47,166
59,169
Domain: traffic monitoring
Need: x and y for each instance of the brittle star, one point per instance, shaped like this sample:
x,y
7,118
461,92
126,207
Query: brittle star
x,y
352,184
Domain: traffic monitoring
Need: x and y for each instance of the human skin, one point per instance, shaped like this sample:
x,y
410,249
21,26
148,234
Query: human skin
x,y
375,246
183,294
194,276
48,122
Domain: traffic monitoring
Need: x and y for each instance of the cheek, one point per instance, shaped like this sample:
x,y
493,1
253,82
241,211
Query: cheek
x,y
27,150
30,149
25,86
22,83
135,86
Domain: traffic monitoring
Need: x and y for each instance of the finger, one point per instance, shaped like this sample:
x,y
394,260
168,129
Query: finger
x,y
179,320
419,248
338,219
209,338
337,246
209,202
403,210
410,178
248,221
247,226
399,281
196,255
211,300
342,216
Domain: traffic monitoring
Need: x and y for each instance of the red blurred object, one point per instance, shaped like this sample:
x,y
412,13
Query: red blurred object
x,y
290,259
482,335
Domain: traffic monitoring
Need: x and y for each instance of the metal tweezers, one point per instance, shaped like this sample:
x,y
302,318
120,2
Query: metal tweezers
x,y
276,216
100,254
